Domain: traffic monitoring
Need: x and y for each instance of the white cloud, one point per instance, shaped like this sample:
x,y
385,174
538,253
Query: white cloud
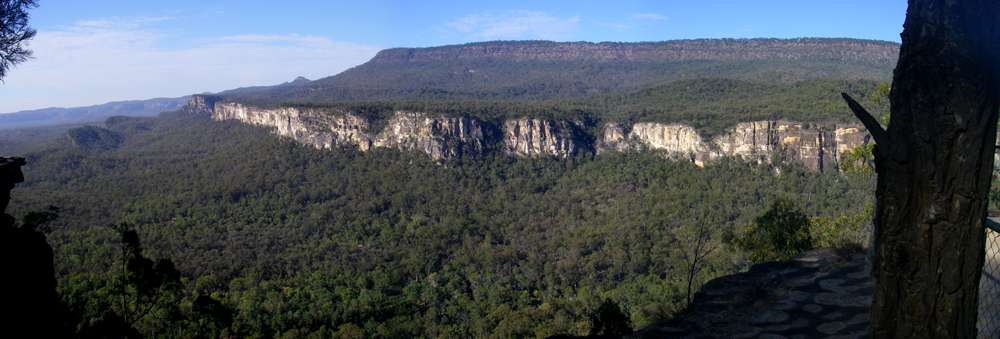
x,y
649,17
95,61
516,25
637,21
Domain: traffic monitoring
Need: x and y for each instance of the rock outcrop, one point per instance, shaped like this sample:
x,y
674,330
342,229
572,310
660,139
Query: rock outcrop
x,y
443,137
319,128
672,139
30,303
438,136
817,147
10,175
201,104
529,137
820,294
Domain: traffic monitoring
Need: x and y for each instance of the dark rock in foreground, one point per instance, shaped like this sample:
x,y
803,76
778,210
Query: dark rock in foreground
x,y
821,294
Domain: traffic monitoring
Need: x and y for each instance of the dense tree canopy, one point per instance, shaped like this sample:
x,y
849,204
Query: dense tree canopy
x,y
273,238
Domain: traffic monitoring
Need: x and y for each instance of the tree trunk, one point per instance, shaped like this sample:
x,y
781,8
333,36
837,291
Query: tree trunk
x,y
934,164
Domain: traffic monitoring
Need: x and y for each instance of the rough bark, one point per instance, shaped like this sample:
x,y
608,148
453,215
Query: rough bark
x,y
934,164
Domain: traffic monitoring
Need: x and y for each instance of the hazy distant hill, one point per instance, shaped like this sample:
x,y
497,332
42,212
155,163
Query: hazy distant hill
x,y
95,113
529,70
298,82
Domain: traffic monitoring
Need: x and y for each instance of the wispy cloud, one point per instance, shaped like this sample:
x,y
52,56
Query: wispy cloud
x,y
94,61
649,17
117,22
274,39
516,25
634,22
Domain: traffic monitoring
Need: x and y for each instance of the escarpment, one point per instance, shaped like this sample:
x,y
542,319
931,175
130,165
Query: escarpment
x,y
527,137
317,127
817,147
438,136
444,137
672,139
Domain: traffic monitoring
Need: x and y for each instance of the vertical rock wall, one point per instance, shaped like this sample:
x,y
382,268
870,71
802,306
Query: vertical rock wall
x,y
442,137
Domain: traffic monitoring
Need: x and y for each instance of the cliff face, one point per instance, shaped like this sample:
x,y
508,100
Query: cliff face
x,y
316,127
439,136
817,147
528,137
671,139
201,104
443,137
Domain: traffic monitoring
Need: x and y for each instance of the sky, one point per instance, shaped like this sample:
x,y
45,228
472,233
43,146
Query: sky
x,y
95,51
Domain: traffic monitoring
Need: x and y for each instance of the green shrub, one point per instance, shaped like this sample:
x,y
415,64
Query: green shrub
x,y
779,234
843,231
610,321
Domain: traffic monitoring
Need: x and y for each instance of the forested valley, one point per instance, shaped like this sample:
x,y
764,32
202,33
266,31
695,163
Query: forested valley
x,y
507,188
270,238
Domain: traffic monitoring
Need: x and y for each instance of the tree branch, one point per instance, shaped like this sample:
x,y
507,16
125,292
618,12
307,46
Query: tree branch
x,y
871,124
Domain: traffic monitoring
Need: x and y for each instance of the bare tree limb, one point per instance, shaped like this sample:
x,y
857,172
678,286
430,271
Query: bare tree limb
x,y
867,119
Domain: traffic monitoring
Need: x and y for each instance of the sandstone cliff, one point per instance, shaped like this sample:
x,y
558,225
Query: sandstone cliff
x,y
528,137
672,139
439,136
817,147
317,127
443,137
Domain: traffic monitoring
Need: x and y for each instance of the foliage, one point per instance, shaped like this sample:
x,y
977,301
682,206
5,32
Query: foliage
x,y
36,220
489,71
710,105
995,191
859,160
297,242
880,102
695,246
779,234
852,230
609,320
14,33
144,287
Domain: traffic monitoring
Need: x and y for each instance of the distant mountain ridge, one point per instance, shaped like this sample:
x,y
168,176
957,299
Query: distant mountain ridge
x,y
675,50
98,113
545,70
534,71
94,113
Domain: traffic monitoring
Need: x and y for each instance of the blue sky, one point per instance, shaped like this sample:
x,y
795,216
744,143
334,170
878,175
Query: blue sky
x,y
90,52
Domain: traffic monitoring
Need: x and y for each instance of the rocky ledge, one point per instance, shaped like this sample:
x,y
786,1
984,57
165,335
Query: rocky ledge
x,y
820,294
824,293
